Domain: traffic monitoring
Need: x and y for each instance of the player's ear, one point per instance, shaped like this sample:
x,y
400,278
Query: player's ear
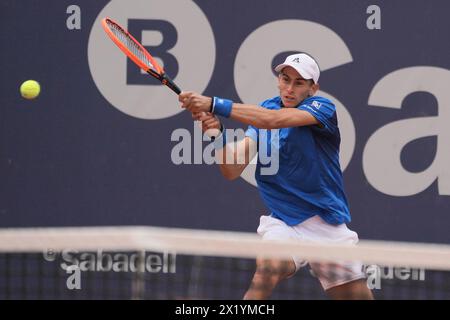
x,y
314,88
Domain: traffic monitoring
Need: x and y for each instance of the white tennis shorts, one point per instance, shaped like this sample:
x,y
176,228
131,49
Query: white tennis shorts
x,y
316,229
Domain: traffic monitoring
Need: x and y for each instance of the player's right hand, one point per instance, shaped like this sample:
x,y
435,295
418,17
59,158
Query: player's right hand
x,y
195,102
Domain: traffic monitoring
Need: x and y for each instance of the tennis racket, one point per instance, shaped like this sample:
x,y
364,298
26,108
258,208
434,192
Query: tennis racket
x,y
137,53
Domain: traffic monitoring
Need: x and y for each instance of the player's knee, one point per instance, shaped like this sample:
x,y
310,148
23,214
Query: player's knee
x,y
274,271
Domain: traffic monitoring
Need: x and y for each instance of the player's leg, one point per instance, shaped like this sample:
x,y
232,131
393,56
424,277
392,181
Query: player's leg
x,y
268,274
340,279
354,290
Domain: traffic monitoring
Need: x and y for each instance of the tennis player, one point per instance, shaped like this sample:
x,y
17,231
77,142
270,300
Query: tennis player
x,y
305,196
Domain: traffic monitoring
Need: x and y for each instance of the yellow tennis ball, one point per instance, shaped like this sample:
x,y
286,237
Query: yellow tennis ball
x,y
30,89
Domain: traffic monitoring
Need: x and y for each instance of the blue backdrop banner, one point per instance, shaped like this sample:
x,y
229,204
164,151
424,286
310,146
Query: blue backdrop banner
x,y
102,143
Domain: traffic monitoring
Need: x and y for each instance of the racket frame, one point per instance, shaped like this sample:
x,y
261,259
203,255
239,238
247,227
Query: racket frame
x,y
158,72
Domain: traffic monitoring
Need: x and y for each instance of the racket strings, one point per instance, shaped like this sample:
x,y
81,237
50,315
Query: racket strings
x,y
130,43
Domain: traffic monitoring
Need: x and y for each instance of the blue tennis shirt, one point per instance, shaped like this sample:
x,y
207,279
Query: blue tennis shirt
x,y
309,179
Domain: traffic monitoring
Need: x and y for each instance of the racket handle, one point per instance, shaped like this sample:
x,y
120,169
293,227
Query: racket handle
x,y
169,82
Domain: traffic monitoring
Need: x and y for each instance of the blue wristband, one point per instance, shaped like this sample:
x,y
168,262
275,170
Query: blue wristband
x,y
222,107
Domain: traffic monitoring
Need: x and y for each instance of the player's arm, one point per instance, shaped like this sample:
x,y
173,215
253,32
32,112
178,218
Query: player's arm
x,y
250,114
271,119
233,157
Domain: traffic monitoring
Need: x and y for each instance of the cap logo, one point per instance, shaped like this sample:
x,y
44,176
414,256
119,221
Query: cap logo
x,y
296,60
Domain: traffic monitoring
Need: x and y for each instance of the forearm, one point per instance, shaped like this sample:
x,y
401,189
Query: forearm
x,y
231,171
256,116
231,163
264,118
234,157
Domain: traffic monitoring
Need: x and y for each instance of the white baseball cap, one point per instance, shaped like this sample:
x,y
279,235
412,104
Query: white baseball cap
x,y
304,64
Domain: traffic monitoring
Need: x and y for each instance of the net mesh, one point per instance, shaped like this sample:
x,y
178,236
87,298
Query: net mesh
x,y
130,43
161,263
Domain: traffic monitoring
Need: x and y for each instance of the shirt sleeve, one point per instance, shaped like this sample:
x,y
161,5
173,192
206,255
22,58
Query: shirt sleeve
x,y
324,112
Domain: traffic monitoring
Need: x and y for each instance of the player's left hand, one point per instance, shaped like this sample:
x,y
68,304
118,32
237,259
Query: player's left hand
x,y
209,123
195,102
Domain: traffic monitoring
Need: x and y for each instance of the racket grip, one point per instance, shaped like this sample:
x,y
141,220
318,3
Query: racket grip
x,y
169,82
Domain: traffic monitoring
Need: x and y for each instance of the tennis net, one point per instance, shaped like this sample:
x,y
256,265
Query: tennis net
x,y
167,263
